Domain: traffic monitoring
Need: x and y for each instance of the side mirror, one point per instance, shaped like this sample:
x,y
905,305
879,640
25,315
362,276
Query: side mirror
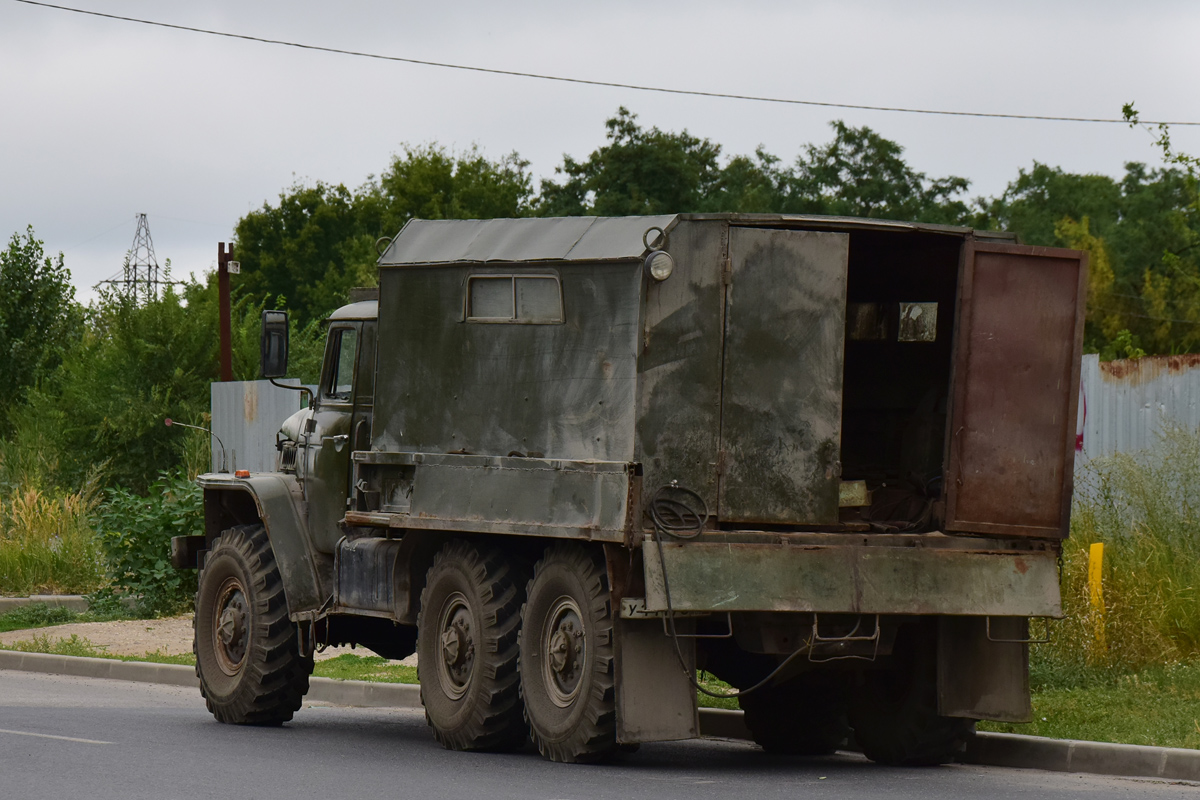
x,y
274,344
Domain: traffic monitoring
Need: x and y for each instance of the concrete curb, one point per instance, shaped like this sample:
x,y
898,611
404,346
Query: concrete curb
x,y
1069,755
75,602
321,690
1029,752
984,749
79,666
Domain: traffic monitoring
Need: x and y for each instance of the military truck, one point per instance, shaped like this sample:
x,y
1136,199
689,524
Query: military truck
x,y
571,462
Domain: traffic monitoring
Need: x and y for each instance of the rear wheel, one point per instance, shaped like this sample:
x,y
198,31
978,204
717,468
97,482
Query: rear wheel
x,y
804,716
894,712
247,651
567,661
467,649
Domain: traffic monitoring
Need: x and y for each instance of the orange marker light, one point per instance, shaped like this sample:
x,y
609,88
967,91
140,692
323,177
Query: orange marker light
x,y
241,473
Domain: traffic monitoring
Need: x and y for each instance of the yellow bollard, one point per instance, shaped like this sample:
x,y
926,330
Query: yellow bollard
x,y
1096,593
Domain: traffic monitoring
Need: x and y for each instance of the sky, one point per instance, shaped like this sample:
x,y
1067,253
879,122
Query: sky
x,y
102,119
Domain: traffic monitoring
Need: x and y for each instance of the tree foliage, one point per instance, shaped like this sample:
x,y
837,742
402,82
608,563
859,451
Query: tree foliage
x,y
638,171
319,241
863,174
1141,232
38,319
649,171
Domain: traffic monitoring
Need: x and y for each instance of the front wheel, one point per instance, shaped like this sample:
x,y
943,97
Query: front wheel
x,y
247,654
567,660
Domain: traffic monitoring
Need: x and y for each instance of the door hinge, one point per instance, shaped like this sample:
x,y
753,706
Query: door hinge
x,y
722,460
727,271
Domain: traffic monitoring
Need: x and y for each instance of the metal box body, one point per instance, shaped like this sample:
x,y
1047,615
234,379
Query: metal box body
x,y
783,356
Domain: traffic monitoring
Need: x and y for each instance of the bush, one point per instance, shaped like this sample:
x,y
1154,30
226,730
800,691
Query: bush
x,y
136,534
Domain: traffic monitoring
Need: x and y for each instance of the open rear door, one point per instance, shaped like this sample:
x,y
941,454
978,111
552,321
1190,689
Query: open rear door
x,y
1018,344
781,398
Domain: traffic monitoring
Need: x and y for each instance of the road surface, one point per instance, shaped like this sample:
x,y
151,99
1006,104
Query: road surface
x,y
65,737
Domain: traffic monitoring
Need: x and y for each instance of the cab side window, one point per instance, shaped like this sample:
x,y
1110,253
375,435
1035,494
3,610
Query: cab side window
x,y
339,381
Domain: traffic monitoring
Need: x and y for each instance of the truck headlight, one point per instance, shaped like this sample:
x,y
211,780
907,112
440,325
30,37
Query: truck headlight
x,y
660,265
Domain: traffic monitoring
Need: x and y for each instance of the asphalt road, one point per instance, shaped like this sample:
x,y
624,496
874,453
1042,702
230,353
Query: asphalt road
x,y
64,737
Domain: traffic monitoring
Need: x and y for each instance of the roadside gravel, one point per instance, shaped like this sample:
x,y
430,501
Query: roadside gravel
x,y
135,637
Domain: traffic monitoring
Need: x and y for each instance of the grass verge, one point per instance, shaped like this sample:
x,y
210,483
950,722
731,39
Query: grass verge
x,y
349,667
1157,706
76,645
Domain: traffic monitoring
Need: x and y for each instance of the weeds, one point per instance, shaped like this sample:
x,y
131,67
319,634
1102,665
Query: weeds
x,y
1145,508
47,544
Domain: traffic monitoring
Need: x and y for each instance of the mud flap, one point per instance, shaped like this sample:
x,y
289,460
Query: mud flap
x,y
979,678
655,700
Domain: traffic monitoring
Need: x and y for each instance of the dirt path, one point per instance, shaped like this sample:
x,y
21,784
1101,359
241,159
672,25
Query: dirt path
x,y
134,637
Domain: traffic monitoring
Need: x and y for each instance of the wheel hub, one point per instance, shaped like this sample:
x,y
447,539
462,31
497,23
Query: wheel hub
x,y
564,645
231,626
458,646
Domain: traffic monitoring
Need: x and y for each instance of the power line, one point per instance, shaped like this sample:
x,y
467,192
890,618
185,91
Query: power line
x,y
586,82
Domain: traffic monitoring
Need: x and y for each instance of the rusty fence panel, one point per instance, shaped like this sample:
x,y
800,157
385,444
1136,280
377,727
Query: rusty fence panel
x,y
1125,403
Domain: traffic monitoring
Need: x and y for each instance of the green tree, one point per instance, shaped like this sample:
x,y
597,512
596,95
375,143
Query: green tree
x,y
319,241
38,319
430,182
1141,231
863,174
134,364
649,171
1034,204
309,248
638,171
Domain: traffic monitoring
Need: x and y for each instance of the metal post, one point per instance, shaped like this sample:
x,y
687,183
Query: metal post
x,y
1096,596
223,255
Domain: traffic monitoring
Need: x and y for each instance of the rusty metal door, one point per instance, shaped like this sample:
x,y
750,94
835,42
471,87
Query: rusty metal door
x,y
1011,438
781,402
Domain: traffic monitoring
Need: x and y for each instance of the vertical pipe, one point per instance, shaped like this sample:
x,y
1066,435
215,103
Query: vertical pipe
x,y
1096,595
226,332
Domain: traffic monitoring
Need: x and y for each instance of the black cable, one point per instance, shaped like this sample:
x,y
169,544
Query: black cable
x,y
679,521
584,81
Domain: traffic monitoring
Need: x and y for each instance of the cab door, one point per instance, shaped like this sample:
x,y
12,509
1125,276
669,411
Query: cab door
x,y
327,478
1018,344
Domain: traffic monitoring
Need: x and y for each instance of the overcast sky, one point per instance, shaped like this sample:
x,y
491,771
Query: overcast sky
x,y
104,119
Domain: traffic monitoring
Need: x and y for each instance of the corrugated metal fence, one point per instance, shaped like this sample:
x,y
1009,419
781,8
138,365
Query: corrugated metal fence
x,y
1124,404
246,415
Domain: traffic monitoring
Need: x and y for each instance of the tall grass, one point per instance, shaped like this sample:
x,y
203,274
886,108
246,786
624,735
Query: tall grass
x,y
1145,508
47,544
